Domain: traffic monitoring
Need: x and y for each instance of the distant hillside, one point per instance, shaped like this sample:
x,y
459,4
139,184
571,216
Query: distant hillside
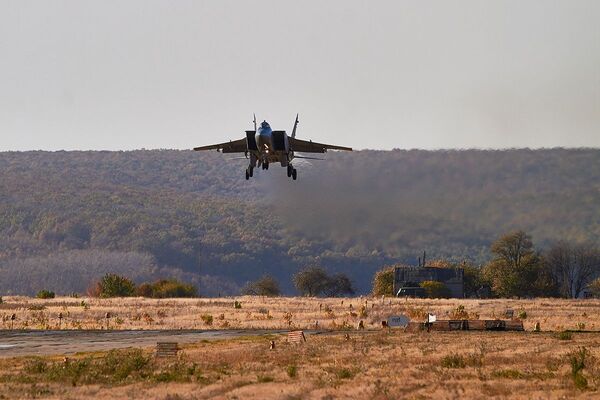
x,y
68,217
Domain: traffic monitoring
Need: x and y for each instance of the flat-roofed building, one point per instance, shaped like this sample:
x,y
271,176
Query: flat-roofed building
x,y
408,276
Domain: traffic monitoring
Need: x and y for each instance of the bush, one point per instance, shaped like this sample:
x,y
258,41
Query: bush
x,y
113,285
453,361
508,374
265,286
264,379
166,288
435,289
383,282
207,318
144,290
565,335
344,373
460,313
522,314
114,367
45,294
577,359
292,371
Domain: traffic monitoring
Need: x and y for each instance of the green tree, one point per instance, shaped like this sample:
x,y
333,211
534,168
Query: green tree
x,y
113,285
383,282
435,289
265,286
167,288
338,285
473,279
45,294
311,281
516,269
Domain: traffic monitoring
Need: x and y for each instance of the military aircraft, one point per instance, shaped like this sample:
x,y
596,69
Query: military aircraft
x,y
264,146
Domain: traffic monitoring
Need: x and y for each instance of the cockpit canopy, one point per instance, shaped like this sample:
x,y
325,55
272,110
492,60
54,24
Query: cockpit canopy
x,y
264,124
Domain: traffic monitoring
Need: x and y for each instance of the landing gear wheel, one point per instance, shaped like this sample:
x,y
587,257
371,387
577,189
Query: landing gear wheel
x,y
294,174
289,171
251,171
266,165
247,175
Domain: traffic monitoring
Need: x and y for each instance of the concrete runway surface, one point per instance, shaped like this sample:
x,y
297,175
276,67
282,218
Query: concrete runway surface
x,y
15,343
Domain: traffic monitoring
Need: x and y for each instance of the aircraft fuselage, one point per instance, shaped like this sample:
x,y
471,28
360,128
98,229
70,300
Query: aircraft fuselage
x,y
271,146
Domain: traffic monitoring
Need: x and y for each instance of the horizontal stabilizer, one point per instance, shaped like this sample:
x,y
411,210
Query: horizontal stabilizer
x,y
310,158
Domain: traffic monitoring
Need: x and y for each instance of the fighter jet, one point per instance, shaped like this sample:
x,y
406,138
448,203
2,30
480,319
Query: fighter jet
x,y
264,146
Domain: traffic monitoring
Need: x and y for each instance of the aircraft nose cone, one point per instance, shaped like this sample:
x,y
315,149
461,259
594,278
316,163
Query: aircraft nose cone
x,y
263,139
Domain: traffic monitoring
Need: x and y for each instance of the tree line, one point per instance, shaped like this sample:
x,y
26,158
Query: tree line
x,y
310,281
517,269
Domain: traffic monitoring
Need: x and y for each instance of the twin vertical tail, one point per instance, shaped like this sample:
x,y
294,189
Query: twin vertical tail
x,y
254,122
295,125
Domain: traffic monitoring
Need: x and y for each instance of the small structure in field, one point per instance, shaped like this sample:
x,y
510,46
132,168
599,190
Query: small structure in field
x,y
397,321
466,325
166,349
411,277
296,337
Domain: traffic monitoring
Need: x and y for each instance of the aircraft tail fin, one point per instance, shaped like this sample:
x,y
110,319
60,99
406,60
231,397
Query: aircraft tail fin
x,y
254,122
295,125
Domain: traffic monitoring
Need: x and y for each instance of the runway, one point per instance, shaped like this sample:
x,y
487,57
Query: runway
x,y
38,342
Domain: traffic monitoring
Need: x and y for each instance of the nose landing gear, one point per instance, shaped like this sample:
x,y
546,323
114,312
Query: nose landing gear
x,y
292,172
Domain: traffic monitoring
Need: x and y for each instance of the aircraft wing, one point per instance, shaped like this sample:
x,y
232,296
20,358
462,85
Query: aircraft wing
x,y
235,146
304,146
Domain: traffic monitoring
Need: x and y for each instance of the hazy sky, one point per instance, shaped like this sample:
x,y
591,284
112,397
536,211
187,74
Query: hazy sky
x,y
369,74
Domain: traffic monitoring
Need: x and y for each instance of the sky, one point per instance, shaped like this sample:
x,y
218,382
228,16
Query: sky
x,y
122,75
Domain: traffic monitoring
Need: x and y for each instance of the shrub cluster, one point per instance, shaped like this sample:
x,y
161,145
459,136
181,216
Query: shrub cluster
x,y
115,367
45,294
166,288
112,285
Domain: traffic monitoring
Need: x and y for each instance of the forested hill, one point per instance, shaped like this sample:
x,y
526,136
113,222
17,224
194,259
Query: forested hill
x,y
69,217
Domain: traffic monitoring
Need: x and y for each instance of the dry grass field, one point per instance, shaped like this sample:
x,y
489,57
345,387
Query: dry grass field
x,y
376,364
280,313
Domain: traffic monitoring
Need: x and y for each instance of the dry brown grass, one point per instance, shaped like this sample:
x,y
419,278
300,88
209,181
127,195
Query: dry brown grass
x,y
377,365
268,313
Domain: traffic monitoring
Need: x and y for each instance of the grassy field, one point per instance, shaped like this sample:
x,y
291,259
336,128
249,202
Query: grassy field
x,y
378,364
297,312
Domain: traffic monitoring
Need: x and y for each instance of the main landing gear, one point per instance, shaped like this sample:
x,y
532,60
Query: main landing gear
x,y
292,172
249,172
265,165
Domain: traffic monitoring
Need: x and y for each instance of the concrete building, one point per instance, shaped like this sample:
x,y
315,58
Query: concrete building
x,y
453,278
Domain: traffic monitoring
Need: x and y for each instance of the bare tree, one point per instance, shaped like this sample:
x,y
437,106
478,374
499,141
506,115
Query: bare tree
x,y
573,266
